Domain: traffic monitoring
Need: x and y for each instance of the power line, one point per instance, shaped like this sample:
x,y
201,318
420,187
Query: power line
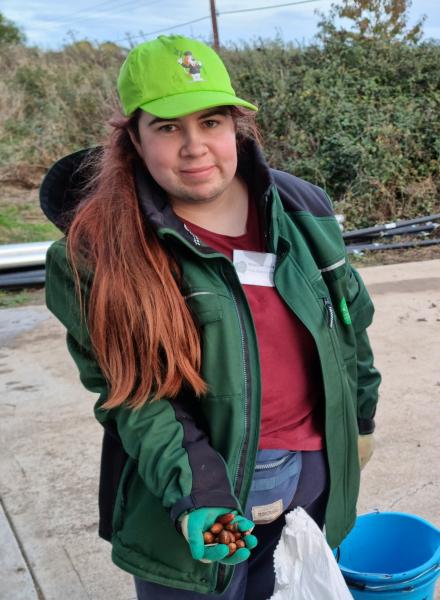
x,y
144,35
229,12
243,10
108,6
78,14
105,4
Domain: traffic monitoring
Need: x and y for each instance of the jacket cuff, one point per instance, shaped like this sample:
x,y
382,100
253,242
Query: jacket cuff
x,y
366,426
204,500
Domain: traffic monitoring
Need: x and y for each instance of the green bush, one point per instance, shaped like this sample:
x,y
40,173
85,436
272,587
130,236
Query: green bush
x,y
360,119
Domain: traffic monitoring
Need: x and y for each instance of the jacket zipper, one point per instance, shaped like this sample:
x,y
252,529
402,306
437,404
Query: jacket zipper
x,y
247,386
195,239
238,477
330,322
330,312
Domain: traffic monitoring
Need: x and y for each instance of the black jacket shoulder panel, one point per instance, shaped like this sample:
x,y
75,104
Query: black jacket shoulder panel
x,y
299,195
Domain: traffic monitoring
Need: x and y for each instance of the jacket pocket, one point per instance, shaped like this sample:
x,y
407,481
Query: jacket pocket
x,y
334,305
360,304
335,271
205,306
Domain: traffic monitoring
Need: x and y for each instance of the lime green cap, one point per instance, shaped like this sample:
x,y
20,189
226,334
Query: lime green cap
x,y
173,76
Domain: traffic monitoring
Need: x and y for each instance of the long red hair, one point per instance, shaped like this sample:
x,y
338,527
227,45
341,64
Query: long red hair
x,y
142,332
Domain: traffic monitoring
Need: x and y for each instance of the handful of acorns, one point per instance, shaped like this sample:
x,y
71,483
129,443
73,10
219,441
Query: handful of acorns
x,y
225,532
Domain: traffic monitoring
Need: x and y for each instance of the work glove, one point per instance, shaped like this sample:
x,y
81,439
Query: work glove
x,y
365,449
196,522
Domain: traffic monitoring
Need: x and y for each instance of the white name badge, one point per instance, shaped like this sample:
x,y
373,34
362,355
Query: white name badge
x,y
255,268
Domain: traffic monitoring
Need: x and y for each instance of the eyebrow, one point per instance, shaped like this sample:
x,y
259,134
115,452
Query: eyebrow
x,y
209,113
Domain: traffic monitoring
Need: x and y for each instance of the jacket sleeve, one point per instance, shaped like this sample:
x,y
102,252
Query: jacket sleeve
x,y
174,457
361,312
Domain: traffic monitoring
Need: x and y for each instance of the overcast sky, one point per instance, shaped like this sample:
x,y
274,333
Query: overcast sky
x,y
47,23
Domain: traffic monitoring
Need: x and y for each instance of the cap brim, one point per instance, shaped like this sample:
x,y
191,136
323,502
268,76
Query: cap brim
x,y
180,105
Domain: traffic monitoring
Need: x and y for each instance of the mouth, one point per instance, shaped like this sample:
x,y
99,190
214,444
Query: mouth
x,y
197,171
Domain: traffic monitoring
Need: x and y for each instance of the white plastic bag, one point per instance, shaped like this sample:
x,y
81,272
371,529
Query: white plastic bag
x,y
305,568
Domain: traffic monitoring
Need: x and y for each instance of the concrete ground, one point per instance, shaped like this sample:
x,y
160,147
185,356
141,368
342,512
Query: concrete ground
x,y
50,443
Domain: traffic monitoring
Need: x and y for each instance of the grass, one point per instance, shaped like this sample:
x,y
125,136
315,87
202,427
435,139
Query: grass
x,y
20,223
12,299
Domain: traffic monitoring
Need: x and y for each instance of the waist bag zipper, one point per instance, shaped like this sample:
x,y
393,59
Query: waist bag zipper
x,y
271,465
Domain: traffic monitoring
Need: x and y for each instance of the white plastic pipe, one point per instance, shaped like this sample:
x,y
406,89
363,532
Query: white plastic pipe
x,y
14,256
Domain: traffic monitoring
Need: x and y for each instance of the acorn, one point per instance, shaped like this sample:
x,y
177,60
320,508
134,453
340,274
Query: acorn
x,y
223,531
208,537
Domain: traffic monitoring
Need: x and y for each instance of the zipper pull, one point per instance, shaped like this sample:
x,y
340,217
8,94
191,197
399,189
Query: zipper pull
x,y
330,312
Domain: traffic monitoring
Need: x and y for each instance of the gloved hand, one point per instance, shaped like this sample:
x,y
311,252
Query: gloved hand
x,y
195,523
365,448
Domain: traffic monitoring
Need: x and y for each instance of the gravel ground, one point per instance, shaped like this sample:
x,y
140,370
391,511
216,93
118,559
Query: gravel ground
x,y
49,449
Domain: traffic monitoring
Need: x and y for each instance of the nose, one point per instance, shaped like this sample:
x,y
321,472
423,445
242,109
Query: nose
x,y
193,144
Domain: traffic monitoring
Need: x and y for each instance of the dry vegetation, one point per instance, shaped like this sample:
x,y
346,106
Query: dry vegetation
x,y
359,118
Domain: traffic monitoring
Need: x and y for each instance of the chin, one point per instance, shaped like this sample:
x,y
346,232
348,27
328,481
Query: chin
x,y
199,196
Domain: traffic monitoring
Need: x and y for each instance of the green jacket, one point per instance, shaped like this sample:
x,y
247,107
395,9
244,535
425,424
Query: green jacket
x,y
178,454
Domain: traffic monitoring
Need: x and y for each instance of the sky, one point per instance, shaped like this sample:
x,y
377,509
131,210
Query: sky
x,y
50,24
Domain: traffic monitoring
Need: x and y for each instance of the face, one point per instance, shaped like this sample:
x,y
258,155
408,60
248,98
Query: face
x,y
193,158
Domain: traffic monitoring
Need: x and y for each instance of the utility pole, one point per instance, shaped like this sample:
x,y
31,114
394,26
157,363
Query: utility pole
x,y
214,25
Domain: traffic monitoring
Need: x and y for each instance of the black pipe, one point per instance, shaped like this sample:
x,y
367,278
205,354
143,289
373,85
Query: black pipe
x,y
409,230
387,226
25,278
353,248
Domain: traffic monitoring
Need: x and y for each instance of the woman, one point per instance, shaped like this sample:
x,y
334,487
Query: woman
x,y
208,300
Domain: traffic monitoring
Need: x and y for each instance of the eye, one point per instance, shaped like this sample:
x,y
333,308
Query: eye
x,y
167,128
211,123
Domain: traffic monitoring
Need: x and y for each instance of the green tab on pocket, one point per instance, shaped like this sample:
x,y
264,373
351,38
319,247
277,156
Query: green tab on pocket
x,y
345,314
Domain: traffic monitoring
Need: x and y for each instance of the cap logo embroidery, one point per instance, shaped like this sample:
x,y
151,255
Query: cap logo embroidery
x,y
191,65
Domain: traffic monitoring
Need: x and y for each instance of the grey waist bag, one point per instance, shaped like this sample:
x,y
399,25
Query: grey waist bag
x,y
274,484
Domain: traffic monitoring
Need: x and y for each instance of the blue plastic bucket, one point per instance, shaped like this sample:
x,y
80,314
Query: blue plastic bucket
x,y
391,556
